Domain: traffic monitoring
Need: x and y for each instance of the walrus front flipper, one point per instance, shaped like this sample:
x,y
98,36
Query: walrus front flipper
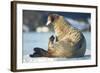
x,y
52,39
39,52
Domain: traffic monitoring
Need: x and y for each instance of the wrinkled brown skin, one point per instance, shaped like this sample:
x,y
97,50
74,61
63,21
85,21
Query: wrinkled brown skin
x,y
71,42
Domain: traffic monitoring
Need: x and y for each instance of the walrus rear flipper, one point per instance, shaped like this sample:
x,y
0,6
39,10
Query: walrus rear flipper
x,y
39,52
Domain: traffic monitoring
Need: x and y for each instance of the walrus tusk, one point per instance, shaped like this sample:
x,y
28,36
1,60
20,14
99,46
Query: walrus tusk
x,y
48,22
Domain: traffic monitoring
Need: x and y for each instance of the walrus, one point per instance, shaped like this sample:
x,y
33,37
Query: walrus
x,y
68,41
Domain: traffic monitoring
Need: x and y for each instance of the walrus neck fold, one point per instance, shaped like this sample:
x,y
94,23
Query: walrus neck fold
x,y
60,27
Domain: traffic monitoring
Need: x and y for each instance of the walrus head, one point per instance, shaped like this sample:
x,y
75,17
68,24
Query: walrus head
x,y
52,18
